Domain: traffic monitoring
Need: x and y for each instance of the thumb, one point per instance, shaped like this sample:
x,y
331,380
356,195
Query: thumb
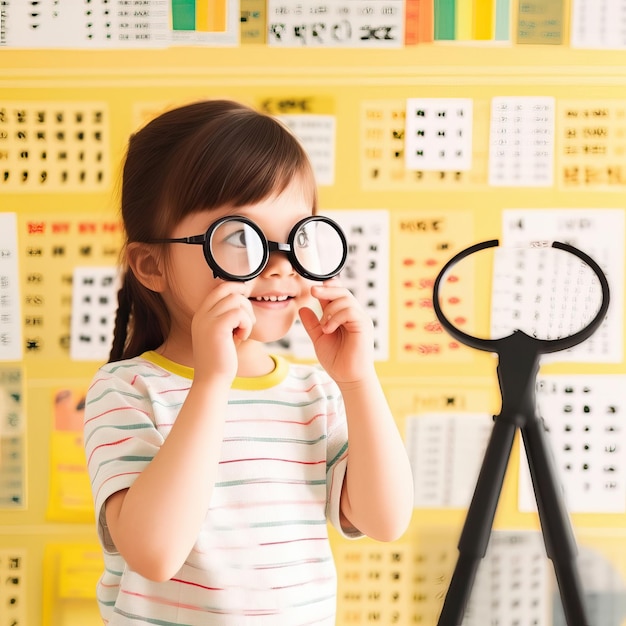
x,y
310,322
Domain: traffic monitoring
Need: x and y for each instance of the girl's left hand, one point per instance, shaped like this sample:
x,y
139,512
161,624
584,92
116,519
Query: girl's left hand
x,y
343,337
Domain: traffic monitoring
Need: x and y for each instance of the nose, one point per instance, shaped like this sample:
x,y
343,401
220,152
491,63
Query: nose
x,y
278,264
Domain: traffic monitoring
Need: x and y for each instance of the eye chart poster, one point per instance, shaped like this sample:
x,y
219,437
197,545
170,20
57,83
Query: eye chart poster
x,y
50,248
10,309
110,24
13,596
583,414
597,232
598,24
423,241
424,144
446,450
12,438
336,24
54,147
521,144
438,134
591,145
94,304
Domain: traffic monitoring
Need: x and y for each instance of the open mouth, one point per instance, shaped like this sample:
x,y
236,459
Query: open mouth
x,y
271,298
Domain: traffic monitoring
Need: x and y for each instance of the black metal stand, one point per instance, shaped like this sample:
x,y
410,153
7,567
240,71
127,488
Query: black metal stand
x,y
519,355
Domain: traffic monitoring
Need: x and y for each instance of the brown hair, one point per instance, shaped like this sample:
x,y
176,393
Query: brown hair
x,y
205,155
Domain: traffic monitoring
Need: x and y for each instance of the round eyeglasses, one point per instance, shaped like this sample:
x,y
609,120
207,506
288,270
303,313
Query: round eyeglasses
x,y
236,249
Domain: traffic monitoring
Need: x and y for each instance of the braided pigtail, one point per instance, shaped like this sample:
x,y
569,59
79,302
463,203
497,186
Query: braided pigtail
x,y
122,317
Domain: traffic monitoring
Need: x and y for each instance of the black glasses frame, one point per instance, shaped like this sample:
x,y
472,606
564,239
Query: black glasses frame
x,y
268,247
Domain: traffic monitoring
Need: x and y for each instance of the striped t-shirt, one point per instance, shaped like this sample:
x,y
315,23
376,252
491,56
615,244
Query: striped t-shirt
x,y
262,557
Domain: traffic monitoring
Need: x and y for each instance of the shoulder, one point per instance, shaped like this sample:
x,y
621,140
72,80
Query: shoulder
x,y
135,379
312,379
127,371
307,372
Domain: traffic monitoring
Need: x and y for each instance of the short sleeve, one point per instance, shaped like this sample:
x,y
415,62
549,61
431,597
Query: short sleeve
x,y
119,433
337,462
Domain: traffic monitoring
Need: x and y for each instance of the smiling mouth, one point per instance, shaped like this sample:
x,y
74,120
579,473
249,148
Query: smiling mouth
x,y
271,298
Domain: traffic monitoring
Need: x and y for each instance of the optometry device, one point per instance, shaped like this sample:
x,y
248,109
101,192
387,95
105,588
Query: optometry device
x,y
519,355
236,249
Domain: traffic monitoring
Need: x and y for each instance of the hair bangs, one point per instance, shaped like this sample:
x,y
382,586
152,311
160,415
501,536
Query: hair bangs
x,y
236,161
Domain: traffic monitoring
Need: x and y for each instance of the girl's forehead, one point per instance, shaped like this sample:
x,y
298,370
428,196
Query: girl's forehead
x,y
270,214
292,203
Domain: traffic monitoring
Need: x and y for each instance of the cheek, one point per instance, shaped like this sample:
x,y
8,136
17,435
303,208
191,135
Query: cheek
x,y
190,282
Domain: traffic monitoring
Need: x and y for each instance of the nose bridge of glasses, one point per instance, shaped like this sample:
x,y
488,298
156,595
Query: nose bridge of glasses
x,y
275,246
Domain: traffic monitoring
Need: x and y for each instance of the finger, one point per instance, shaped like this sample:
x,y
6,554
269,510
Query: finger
x,y
244,327
333,307
310,323
229,302
328,293
230,288
245,320
332,321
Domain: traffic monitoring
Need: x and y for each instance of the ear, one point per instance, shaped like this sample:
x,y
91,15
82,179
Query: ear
x,y
146,265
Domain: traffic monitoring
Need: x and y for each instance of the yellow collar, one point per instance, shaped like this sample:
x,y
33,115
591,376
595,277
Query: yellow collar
x,y
255,383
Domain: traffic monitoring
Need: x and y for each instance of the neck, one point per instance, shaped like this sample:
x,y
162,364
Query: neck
x,y
253,358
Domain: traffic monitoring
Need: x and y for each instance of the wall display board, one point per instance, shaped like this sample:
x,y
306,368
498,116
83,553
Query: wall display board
x,y
431,126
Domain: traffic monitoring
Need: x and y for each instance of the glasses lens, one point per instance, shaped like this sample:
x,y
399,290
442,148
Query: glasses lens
x,y
319,248
237,248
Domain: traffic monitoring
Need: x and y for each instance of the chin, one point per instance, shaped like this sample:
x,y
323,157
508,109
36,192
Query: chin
x,y
270,335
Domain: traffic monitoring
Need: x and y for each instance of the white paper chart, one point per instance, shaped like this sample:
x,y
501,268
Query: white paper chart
x,y
438,134
94,303
12,438
597,232
513,585
317,135
585,419
446,451
521,142
76,23
10,316
336,24
599,24
366,273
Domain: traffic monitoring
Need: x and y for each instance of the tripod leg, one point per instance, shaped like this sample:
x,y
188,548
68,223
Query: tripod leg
x,y
478,523
557,530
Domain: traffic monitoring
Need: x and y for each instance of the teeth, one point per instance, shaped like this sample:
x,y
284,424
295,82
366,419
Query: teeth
x,y
271,298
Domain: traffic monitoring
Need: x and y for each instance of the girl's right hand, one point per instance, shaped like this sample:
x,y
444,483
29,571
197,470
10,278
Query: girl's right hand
x,y
224,320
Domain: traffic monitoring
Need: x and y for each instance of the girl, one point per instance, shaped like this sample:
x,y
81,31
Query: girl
x,y
216,465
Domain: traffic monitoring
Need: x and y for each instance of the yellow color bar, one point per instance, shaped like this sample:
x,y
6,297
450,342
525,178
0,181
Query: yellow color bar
x,y
211,16
464,19
483,19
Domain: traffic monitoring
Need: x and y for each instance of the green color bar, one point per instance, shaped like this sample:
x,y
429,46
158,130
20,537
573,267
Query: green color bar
x,y
184,14
503,20
445,21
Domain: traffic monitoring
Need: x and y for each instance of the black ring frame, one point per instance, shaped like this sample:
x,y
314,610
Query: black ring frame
x,y
543,345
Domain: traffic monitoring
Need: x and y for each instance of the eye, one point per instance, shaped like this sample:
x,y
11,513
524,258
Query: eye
x,y
237,238
302,238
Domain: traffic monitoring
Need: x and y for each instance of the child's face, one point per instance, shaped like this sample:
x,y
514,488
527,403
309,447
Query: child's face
x,y
276,294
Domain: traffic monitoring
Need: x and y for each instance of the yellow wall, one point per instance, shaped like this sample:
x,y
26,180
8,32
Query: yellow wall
x,y
131,83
